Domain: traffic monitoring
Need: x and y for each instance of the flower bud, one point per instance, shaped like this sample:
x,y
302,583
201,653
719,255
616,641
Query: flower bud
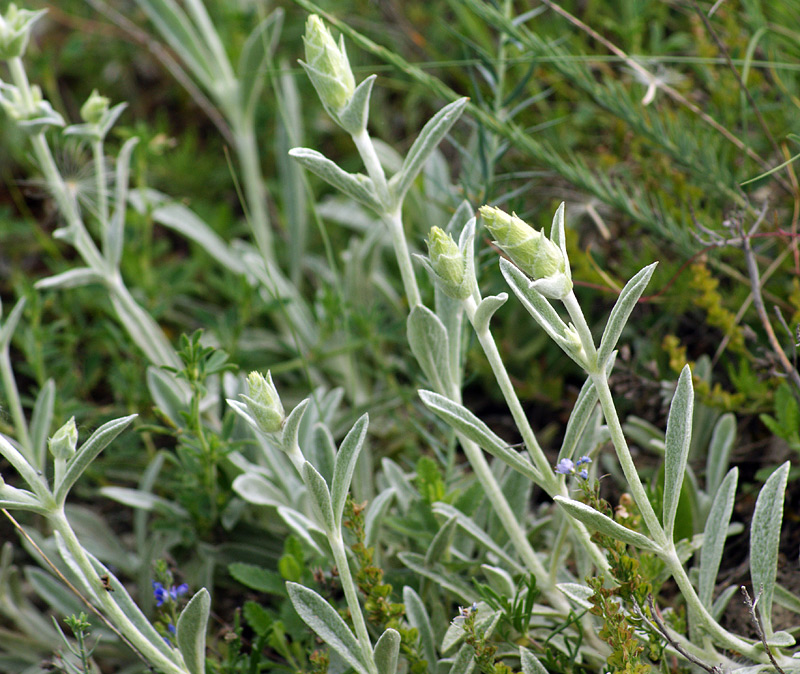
x,y
327,65
15,31
263,402
95,107
446,259
62,444
527,247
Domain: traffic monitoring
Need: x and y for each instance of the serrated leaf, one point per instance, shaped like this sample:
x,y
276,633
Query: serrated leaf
x,y
621,312
354,185
598,522
320,497
765,532
676,448
716,531
345,464
430,345
321,617
466,423
257,578
386,651
429,138
191,631
88,452
418,618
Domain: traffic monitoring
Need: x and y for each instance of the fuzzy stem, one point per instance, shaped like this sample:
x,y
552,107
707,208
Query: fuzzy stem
x,y
101,184
109,607
351,595
395,223
15,406
369,156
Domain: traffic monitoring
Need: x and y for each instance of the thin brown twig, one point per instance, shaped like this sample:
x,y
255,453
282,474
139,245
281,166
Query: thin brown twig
x,y
751,607
668,90
758,301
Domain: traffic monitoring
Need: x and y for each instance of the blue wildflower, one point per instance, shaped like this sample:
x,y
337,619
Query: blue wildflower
x,y
583,460
565,467
584,474
163,594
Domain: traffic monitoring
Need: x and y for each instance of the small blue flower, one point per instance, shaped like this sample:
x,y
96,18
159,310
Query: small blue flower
x,y
565,467
584,474
162,594
171,628
583,460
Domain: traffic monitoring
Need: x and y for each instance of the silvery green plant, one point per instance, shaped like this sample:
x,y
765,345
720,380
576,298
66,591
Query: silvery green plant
x,y
261,407
539,273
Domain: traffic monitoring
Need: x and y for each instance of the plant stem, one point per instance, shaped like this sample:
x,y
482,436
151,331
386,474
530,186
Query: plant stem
x,y
395,223
366,149
111,610
101,184
351,595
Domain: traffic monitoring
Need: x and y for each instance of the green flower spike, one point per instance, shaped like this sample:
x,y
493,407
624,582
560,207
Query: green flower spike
x,y
62,444
447,263
529,249
263,402
15,31
327,65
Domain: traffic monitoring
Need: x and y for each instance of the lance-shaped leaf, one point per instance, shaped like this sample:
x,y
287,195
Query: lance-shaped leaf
x,y
440,545
466,423
486,309
320,496
256,52
41,420
12,498
387,650
321,617
291,425
345,464
605,525
427,141
716,531
11,322
353,117
72,278
87,453
418,617
530,663
621,312
375,512
430,345
354,185
676,447
542,311
765,534
719,451
113,233
581,413
191,632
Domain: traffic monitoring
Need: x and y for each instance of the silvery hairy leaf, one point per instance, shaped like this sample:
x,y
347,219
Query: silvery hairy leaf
x,y
11,322
676,448
581,413
765,533
465,422
430,345
429,138
41,420
530,663
500,580
716,531
621,312
719,451
320,497
191,631
418,617
321,617
542,311
354,185
353,117
113,233
307,531
256,53
486,309
598,522
87,453
375,512
72,278
345,464
386,651
440,545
